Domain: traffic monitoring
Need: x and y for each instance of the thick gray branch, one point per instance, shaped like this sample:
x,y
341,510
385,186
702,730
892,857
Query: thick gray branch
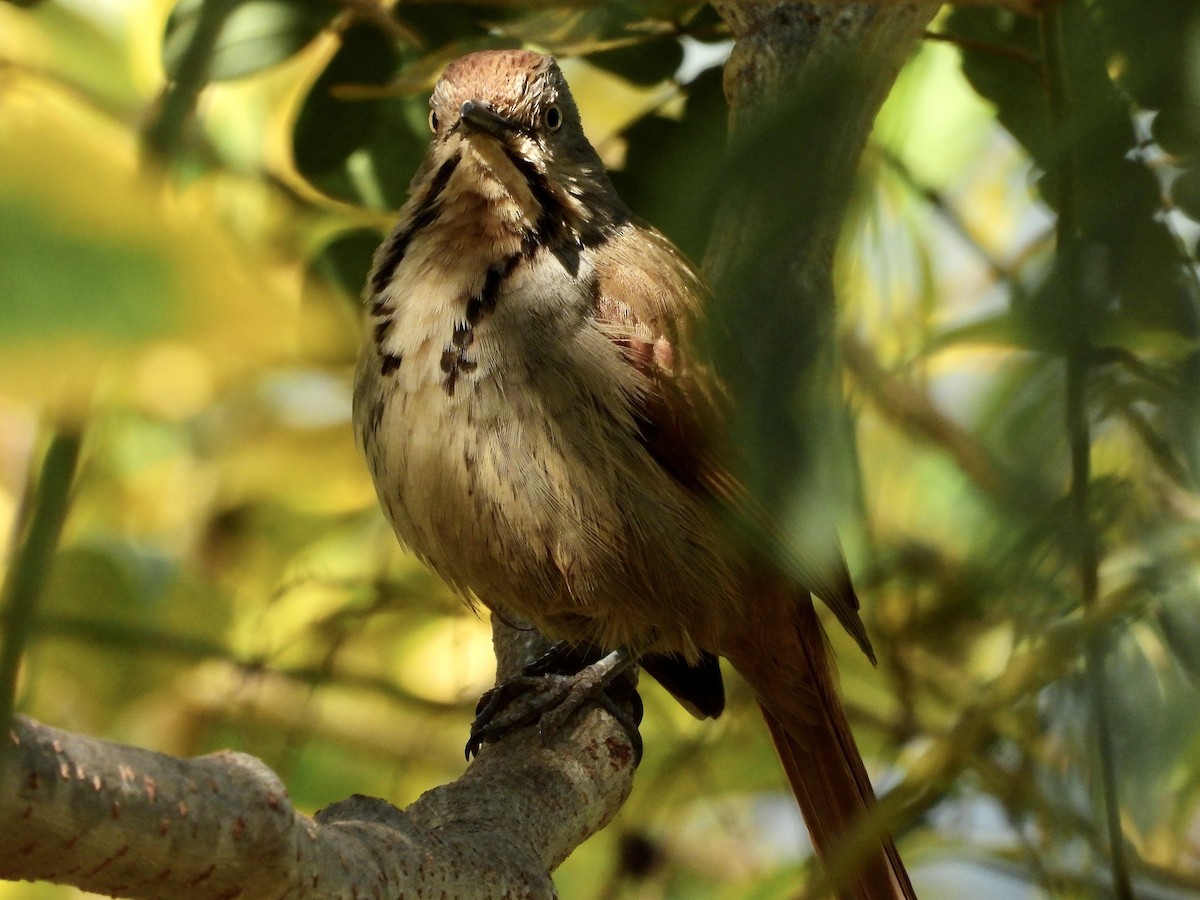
x,y
804,82
134,823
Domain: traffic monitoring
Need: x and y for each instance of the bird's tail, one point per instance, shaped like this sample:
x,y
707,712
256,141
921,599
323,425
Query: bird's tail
x,y
785,661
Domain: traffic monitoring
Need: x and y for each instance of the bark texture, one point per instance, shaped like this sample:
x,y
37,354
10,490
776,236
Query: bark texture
x,y
133,823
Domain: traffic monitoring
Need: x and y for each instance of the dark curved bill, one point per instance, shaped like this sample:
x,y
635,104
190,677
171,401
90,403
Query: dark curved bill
x,y
481,118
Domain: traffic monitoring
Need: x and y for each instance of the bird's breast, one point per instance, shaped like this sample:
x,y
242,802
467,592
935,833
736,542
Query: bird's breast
x,y
463,405
496,416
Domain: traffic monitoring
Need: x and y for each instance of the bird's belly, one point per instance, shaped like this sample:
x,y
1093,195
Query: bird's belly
x,y
481,493
511,507
509,461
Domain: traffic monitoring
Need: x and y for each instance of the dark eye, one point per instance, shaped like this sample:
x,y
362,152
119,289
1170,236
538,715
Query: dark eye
x,y
553,118
433,122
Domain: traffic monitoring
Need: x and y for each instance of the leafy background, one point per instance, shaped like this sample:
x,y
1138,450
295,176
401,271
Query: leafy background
x,y
189,196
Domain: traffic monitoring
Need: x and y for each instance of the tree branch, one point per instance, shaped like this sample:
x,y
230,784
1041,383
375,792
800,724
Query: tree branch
x,y
805,82
916,414
36,532
134,823
1028,7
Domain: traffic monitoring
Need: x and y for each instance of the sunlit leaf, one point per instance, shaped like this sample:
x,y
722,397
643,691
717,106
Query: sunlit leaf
x,y
251,34
62,282
83,52
671,165
642,63
346,259
102,271
584,30
360,149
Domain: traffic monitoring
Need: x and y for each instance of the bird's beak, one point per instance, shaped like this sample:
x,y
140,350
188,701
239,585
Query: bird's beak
x,y
478,117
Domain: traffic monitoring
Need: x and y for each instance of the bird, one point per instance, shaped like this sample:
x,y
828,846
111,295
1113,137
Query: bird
x,y
543,433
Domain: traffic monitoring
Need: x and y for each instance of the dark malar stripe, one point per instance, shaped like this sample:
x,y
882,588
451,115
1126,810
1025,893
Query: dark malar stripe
x,y
397,246
455,358
552,231
553,218
484,302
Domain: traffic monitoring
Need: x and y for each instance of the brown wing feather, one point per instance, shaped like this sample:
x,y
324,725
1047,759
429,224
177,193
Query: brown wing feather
x,y
647,316
648,300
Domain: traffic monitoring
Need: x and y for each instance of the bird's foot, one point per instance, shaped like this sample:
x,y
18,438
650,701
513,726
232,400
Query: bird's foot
x,y
552,689
564,658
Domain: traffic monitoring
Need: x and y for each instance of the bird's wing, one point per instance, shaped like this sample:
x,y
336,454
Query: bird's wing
x,y
648,302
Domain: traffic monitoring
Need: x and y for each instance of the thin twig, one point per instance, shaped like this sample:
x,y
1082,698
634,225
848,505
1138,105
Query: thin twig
x,y
163,133
1078,364
915,413
1012,53
379,15
35,538
944,208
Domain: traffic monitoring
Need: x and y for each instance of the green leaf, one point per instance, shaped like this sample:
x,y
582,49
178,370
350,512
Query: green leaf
x,y
664,154
1179,623
1001,60
1003,329
60,282
647,62
1184,418
442,24
1133,265
1185,193
354,144
252,35
1177,131
1155,45
574,31
346,259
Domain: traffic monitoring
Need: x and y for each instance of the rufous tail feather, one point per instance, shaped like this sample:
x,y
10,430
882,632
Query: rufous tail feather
x,y
785,661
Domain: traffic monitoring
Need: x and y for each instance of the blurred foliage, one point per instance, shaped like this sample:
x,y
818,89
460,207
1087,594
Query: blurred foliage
x,y
240,37
190,197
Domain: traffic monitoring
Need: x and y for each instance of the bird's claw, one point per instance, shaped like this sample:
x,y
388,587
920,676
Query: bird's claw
x,y
544,696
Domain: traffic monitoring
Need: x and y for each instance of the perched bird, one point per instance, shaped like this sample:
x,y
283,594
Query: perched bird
x,y
542,435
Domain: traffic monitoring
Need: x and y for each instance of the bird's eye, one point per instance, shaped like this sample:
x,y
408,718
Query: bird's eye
x,y
553,117
433,122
